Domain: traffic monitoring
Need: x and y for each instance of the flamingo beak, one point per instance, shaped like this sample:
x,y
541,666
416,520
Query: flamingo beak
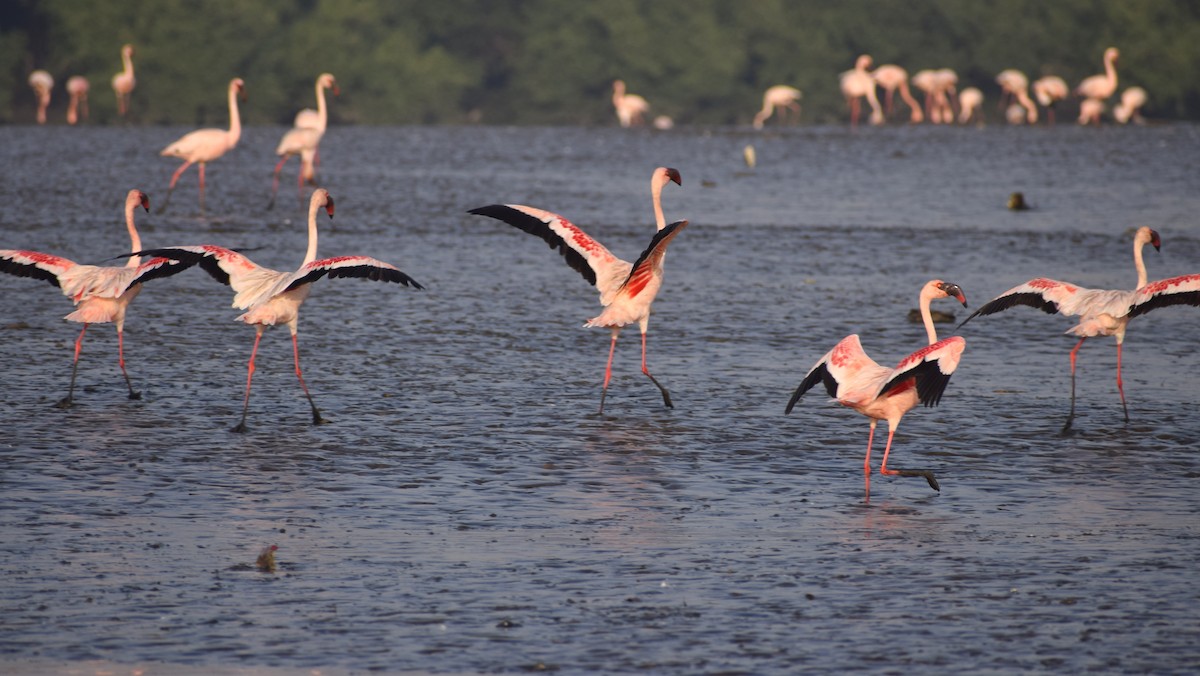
x,y
145,200
329,206
673,174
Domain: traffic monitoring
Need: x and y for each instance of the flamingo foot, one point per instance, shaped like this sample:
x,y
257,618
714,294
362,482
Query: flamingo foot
x,y
665,394
240,428
933,482
135,396
65,403
317,419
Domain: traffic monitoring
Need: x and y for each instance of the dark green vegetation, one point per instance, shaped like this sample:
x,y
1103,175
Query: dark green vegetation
x,y
552,61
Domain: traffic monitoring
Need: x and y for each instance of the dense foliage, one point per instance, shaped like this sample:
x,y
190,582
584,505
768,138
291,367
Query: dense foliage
x,y
553,61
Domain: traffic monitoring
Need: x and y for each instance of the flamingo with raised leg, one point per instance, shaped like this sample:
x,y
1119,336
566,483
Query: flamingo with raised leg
x,y
1048,91
124,82
304,140
272,297
630,107
892,78
626,289
206,145
1102,312
781,97
857,83
77,107
1101,87
43,84
100,294
880,393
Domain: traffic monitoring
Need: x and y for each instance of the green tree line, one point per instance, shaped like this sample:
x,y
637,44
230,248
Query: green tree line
x,y
553,61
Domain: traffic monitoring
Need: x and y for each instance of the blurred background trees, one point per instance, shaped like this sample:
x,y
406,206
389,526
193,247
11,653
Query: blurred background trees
x,y
553,61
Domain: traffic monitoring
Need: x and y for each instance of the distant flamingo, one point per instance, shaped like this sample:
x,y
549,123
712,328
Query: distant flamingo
x,y
1103,313
1048,91
1101,87
1013,83
944,96
630,107
1132,100
42,84
206,145
892,77
784,98
124,82
626,290
272,297
969,102
100,294
881,393
1090,111
77,87
304,141
858,83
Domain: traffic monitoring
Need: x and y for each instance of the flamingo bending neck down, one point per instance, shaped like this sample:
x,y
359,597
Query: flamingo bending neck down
x,y
272,297
784,98
77,108
627,290
100,294
858,83
630,107
206,145
1049,90
304,140
43,84
1013,83
881,393
892,77
124,82
1102,312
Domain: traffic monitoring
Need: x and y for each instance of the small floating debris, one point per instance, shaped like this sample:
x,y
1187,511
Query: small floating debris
x,y
266,559
1016,202
939,316
749,156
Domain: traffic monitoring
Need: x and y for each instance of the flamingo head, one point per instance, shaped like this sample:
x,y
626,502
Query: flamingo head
x,y
127,50
138,198
239,85
664,174
864,62
1147,235
327,81
1112,54
322,198
949,290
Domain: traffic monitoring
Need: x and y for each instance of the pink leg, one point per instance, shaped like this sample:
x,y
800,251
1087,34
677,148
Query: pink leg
x,y
608,368
1074,353
1120,387
275,180
883,468
121,361
867,460
66,402
171,188
317,419
241,426
854,112
202,186
666,395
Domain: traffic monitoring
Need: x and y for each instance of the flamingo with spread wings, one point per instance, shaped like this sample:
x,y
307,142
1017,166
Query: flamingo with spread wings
x,y
881,393
626,290
272,297
100,294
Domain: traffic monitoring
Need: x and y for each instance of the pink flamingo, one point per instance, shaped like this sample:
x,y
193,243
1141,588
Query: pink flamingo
x,y
1090,111
124,82
43,84
1101,87
969,102
271,297
881,393
1013,83
892,77
1102,312
858,83
1048,91
304,140
630,107
100,294
784,98
1132,100
944,96
626,290
206,145
77,87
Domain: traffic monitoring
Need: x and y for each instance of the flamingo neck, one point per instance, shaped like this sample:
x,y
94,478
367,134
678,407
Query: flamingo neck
x,y
135,242
235,120
1138,263
1110,73
926,317
322,112
656,187
311,255
127,61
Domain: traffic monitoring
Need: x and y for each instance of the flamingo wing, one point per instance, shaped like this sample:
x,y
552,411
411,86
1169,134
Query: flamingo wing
x,y
649,263
1183,290
34,264
583,253
251,282
849,374
931,367
347,266
157,268
1048,295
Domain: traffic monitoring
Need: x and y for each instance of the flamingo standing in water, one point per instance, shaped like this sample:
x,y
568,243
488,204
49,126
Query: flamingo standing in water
x,y
304,140
1101,87
77,108
969,102
1132,100
1048,91
892,77
271,297
857,83
1102,312
1090,111
784,98
206,145
626,290
100,294
630,107
881,393
43,84
124,82
1014,84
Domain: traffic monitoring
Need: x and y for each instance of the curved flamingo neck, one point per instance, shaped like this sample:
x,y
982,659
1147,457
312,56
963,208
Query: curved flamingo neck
x,y
1110,72
135,242
311,255
926,317
656,186
618,92
1138,244
322,112
127,61
235,120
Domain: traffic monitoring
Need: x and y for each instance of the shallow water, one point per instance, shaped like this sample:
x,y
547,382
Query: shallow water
x,y
468,511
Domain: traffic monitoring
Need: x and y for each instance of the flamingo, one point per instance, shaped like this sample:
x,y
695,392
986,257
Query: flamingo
x,y
1101,87
1049,90
944,96
1132,99
629,107
100,294
271,297
857,83
880,393
43,84
626,290
304,140
77,87
1102,312
1013,83
784,98
124,82
926,81
1090,111
206,145
892,77
969,102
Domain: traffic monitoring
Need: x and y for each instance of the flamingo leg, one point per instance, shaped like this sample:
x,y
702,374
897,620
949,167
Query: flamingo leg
x,y
241,426
174,180
1119,385
608,368
666,395
275,181
854,104
317,419
69,399
121,361
202,187
867,461
883,468
1071,416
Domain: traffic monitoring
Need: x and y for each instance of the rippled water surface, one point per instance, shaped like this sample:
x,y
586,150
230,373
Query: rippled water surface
x,y
467,510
